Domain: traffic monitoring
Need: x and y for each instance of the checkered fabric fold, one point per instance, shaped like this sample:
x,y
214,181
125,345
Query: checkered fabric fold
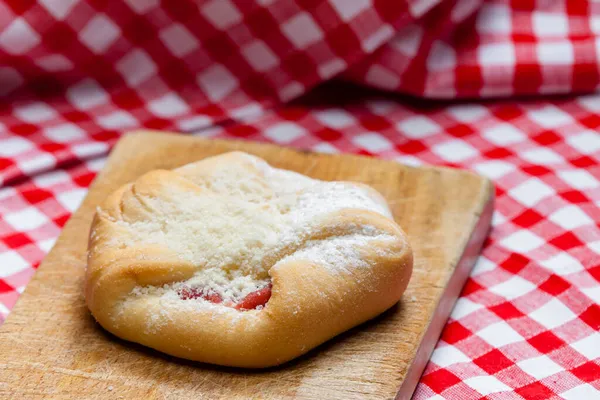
x,y
75,74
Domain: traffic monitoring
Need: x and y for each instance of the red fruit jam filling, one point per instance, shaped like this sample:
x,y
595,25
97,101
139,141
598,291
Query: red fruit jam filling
x,y
252,301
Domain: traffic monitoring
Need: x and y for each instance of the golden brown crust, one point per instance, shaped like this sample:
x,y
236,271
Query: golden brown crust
x,y
309,303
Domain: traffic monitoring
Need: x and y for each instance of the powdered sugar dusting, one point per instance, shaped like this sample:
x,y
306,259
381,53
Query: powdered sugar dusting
x,y
242,222
337,253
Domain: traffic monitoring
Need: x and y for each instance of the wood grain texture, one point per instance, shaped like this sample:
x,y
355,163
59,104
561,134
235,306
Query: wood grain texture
x,y
50,346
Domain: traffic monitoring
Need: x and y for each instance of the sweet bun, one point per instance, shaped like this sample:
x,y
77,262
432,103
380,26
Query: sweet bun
x,y
233,262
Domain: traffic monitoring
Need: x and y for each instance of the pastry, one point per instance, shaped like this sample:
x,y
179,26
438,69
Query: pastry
x,y
233,262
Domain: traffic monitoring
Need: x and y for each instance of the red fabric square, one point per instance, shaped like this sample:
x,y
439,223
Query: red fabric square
x,y
440,380
566,241
506,311
16,240
555,285
515,263
4,287
34,196
493,361
455,332
587,372
528,219
591,316
546,342
535,391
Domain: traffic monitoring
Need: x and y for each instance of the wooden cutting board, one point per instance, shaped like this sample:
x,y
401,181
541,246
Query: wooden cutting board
x,y
50,346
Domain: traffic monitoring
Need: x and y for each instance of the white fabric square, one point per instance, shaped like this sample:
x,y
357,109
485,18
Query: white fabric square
x,y
486,384
589,347
562,264
587,142
570,217
349,9
217,82
136,67
578,178
41,162
85,150
117,120
59,8
14,145
408,41
376,39
547,24
464,307
259,56
418,127
54,63
382,77
7,192
335,118
496,54
552,314
11,80
142,6
593,293
442,57
302,30
51,178
555,53
18,37
494,19
251,110
483,265
99,34
499,334
550,117
494,169
448,355
194,123
531,192
409,160
468,112
325,147
25,220
331,68
513,288
12,263
420,7
522,241
46,245
594,246
504,134
291,90
590,102
595,23
87,94
381,107
168,105
221,13
285,132
96,164
372,142
35,112
178,40
542,155
585,391
71,199
540,367
454,150
64,133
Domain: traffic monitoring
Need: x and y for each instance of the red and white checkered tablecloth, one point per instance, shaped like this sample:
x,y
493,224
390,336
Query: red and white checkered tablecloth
x,y
75,74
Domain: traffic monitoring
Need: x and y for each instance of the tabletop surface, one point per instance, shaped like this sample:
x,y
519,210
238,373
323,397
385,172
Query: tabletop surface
x,y
75,75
